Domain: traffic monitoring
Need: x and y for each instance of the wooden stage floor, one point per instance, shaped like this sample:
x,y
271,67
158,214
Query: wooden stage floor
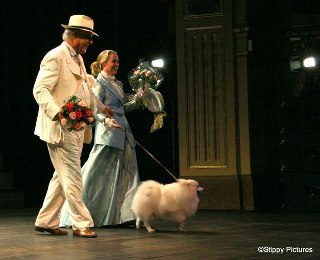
x,y
210,235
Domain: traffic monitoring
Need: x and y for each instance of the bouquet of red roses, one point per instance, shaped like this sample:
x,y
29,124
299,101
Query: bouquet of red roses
x,y
76,116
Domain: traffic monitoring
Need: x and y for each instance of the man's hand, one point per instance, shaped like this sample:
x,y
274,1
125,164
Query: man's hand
x,y
59,116
108,112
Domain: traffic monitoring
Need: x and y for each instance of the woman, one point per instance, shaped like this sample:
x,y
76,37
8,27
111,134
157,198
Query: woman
x,y
110,175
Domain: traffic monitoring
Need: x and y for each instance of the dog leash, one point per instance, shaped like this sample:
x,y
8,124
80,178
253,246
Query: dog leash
x,y
154,158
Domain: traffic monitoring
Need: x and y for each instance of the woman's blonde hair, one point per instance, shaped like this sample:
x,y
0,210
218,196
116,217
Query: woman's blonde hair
x,y
96,66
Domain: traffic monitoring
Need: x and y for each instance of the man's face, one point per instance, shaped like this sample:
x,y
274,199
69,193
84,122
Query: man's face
x,y
82,40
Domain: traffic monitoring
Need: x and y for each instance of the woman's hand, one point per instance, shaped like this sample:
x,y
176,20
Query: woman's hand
x,y
108,111
111,123
140,92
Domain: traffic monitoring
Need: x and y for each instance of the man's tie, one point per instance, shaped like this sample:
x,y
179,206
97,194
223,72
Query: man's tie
x,y
76,59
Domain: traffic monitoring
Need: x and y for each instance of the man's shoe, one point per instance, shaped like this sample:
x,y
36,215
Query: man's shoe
x,y
85,232
52,231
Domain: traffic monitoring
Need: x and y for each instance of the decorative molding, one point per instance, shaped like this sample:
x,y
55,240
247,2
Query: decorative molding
x,y
241,28
200,8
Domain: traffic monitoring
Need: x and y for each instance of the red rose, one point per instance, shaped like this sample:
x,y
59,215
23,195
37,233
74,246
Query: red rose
x,y
69,106
88,112
78,114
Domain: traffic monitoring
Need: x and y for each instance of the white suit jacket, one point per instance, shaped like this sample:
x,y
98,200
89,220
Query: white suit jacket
x,y
58,78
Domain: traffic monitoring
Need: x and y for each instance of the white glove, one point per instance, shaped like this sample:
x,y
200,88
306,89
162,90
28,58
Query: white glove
x,y
111,123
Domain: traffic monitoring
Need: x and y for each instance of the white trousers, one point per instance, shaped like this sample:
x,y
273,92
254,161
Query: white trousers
x,y
66,184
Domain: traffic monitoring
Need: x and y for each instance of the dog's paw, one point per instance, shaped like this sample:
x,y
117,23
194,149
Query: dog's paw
x,y
149,228
138,223
182,227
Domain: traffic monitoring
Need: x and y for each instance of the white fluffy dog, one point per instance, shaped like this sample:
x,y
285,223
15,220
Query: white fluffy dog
x,y
174,202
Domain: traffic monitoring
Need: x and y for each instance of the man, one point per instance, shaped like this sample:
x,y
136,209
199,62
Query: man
x,y
62,74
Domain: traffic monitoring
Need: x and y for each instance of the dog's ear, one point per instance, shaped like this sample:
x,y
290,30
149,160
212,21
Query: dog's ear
x,y
193,182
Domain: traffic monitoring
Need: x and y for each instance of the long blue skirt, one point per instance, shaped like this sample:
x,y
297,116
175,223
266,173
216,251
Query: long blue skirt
x,y
110,179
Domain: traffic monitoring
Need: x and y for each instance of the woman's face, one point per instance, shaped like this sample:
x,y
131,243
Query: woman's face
x,y
111,65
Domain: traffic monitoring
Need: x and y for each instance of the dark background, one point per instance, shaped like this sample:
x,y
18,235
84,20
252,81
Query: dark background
x,y
146,29
135,29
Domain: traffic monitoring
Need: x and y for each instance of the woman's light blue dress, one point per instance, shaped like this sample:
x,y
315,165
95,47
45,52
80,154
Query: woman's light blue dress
x,y
110,175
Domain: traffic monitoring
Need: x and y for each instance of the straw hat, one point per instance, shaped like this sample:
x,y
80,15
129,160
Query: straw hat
x,y
81,22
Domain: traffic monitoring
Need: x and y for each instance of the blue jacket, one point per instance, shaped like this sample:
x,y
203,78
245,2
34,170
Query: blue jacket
x,y
114,137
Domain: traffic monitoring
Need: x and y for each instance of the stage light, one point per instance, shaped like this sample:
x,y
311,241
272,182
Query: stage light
x,y
309,62
303,64
159,63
